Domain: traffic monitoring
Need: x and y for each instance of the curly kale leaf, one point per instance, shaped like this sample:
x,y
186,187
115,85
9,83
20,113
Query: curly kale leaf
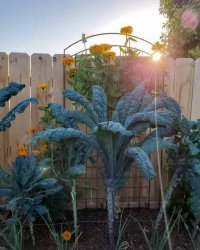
x,y
11,90
99,101
11,115
74,96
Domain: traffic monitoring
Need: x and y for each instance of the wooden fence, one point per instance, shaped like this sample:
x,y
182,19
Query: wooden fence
x,y
181,78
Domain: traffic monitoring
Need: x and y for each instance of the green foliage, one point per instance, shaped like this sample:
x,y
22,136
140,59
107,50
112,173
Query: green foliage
x,y
180,39
93,70
185,162
12,236
134,113
195,52
5,94
24,189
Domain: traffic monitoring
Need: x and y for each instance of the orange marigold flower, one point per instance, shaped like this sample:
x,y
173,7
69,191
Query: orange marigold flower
x,y
158,47
126,30
36,152
106,47
32,130
99,49
42,85
22,153
68,60
21,147
67,235
109,55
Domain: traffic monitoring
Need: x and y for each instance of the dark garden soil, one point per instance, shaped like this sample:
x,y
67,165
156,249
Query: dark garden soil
x,y
94,233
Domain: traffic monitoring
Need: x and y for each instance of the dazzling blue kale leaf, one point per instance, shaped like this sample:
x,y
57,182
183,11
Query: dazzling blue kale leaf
x,y
74,96
64,116
166,102
114,127
142,161
11,90
130,103
11,115
99,101
150,145
62,134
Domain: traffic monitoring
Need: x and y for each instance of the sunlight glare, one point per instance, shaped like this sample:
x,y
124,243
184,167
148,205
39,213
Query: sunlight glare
x,y
156,56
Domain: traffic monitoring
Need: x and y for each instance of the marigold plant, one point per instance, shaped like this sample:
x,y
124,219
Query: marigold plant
x,y
127,30
67,61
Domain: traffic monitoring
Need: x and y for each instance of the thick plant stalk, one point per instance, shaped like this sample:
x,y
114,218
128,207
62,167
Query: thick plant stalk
x,y
174,181
110,206
74,207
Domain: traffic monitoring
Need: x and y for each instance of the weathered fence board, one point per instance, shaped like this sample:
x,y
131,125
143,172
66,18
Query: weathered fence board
x,y
19,71
180,79
195,114
41,72
3,83
183,84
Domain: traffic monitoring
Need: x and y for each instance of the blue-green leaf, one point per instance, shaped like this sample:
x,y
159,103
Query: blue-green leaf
x,y
150,146
130,103
99,101
142,161
11,115
62,134
74,96
11,90
114,127
64,116
77,170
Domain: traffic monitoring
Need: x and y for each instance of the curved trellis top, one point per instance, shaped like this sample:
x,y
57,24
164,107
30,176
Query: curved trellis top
x,y
133,38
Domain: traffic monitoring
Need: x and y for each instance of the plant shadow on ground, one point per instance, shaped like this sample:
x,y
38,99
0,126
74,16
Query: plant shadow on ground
x,y
94,233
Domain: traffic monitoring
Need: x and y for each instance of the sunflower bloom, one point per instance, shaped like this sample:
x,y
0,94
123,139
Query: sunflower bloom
x,y
67,235
126,30
42,85
67,61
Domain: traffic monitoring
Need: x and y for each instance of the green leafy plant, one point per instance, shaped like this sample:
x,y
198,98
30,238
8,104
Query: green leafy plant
x,y
159,241
24,189
61,241
185,157
5,94
134,113
181,34
13,236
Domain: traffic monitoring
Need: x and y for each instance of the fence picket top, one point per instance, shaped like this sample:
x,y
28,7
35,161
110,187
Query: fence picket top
x,y
58,83
183,84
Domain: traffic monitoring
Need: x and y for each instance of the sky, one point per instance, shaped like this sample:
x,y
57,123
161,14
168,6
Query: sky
x,y
49,26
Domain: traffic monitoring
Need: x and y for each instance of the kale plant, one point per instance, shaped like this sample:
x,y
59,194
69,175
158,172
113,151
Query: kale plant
x,y
133,115
24,189
5,94
186,160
